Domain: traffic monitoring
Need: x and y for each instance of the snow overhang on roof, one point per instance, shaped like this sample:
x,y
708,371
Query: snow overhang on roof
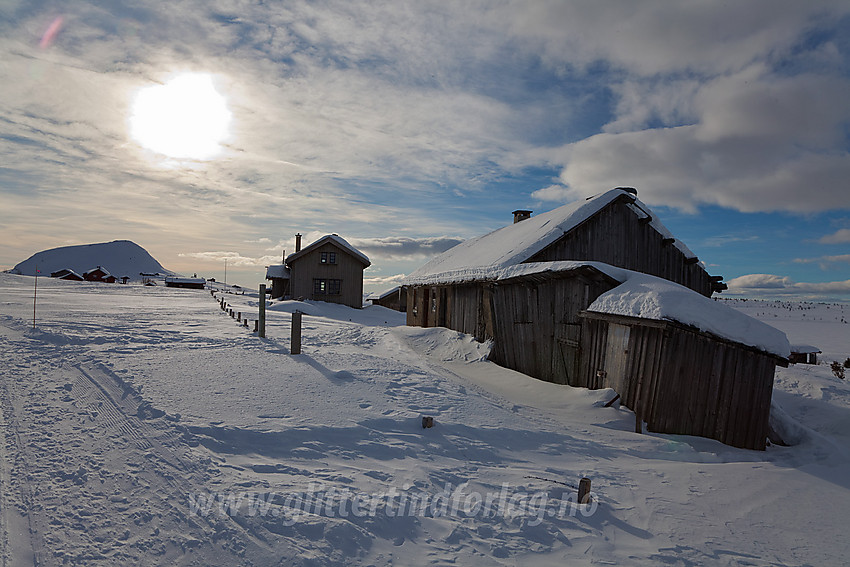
x,y
518,242
805,349
383,294
649,297
336,239
277,271
642,296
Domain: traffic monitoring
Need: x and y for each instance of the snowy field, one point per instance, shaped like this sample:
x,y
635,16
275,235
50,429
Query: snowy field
x,y
144,426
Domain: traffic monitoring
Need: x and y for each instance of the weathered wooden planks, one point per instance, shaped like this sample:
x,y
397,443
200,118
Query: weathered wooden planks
x,y
684,381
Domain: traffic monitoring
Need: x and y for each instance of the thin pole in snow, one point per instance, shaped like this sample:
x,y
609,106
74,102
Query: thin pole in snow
x,y
225,274
34,297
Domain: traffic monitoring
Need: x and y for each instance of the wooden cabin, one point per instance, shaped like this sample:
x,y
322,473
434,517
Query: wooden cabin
x,y
614,228
330,269
67,274
519,288
278,274
185,283
99,274
804,354
395,298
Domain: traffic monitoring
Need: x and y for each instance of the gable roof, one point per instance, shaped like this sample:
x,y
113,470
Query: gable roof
x,y
100,269
518,242
335,239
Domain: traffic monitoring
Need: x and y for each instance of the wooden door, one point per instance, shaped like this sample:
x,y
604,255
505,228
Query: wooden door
x,y
616,356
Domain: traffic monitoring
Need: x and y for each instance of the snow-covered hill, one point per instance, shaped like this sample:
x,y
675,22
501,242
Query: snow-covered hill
x,y
119,257
145,426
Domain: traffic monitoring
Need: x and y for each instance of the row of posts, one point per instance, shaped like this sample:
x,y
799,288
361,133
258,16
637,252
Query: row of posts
x,y
260,323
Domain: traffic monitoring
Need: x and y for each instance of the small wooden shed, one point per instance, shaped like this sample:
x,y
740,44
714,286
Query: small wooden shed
x,y
804,354
185,283
395,298
278,274
679,379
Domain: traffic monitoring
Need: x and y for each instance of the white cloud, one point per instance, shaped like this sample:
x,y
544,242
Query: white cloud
x,y
376,119
782,285
841,236
394,247
380,282
233,259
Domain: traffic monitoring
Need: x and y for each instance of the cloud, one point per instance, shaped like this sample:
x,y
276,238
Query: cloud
x,y
655,37
413,118
839,237
405,247
825,262
233,259
726,239
383,281
783,285
756,142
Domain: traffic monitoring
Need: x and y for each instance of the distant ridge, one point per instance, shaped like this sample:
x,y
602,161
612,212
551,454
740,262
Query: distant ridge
x,y
119,257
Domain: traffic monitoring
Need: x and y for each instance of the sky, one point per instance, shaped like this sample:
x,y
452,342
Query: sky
x,y
213,130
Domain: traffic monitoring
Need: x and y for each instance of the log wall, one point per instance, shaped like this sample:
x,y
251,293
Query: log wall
x,y
682,381
617,235
348,269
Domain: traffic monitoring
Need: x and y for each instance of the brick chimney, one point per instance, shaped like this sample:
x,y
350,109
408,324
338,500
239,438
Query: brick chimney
x,y
521,215
298,243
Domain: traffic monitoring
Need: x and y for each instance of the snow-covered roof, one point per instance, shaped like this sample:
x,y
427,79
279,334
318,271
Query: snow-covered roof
x,y
64,273
650,297
383,294
805,349
647,297
182,280
336,239
516,243
101,268
277,271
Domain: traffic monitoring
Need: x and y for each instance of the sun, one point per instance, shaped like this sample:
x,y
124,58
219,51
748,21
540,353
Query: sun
x,y
185,118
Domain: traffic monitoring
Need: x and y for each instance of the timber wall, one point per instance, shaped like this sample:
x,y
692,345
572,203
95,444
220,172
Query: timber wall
x,y
533,321
682,381
616,235
348,269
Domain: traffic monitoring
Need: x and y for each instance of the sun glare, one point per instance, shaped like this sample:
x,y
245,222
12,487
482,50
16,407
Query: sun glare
x,y
186,118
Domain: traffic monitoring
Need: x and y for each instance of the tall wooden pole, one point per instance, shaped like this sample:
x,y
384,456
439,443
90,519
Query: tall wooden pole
x,y
261,329
295,343
34,296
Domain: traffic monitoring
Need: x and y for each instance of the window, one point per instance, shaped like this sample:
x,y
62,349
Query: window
x,y
327,258
334,287
327,287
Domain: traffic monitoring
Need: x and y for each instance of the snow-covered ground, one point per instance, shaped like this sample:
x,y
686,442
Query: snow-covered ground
x,y
145,426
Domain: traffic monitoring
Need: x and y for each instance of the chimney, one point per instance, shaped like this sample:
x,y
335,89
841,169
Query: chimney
x,y
298,243
521,215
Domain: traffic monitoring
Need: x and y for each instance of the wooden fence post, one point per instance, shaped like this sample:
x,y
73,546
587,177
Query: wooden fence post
x,y
295,347
260,327
584,491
